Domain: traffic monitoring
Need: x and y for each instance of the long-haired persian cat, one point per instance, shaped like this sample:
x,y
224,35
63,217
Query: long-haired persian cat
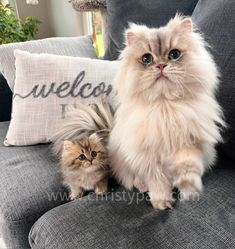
x,y
81,144
168,120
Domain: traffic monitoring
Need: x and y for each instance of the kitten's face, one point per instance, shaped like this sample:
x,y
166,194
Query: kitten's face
x,y
170,61
84,154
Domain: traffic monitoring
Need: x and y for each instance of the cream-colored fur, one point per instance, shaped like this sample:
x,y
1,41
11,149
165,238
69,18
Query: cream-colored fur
x,y
165,128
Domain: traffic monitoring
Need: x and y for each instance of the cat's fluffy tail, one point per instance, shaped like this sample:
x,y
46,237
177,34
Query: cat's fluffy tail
x,y
83,121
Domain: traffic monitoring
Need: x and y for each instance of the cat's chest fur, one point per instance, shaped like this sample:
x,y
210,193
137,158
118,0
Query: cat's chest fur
x,y
162,127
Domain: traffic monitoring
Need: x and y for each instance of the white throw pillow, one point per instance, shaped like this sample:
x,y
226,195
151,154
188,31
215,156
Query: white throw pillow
x,y
46,85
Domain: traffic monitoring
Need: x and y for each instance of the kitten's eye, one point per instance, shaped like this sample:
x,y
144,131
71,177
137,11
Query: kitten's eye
x,y
147,59
174,54
82,157
93,153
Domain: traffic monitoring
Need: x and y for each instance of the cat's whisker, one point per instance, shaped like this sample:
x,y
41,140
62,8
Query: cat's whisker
x,y
179,85
188,90
197,78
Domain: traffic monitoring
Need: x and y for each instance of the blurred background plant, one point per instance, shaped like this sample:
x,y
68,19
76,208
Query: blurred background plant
x,y
13,29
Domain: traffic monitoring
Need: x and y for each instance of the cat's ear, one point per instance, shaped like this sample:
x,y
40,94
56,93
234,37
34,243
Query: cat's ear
x,y
130,37
130,33
135,32
187,24
67,146
181,22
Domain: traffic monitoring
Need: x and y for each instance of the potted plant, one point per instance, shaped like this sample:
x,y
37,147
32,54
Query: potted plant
x,y
13,29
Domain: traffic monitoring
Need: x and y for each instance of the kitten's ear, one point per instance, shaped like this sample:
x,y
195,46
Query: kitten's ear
x,y
94,137
103,135
67,146
187,24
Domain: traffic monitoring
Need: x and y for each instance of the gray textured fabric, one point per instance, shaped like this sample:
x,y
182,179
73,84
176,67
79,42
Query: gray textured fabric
x,y
216,20
28,175
70,46
153,13
206,224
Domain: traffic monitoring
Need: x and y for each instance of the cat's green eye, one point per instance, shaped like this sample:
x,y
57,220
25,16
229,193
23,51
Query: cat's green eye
x,y
174,54
93,153
147,59
82,157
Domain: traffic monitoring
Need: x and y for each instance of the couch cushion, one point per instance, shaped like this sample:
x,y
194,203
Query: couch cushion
x,y
116,222
153,13
216,20
70,46
28,178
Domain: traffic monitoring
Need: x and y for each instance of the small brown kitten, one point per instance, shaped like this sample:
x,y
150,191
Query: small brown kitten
x,y
84,165
81,146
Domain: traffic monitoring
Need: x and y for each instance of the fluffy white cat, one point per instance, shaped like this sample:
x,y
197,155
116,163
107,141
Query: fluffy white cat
x,y
167,124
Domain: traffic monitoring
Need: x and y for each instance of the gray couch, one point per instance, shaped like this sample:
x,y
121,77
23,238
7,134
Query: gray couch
x,y
34,207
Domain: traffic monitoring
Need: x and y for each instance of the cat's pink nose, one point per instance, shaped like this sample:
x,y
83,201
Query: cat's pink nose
x,y
161,66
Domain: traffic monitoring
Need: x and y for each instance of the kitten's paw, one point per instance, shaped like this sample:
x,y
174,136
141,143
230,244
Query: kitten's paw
x,y
162,204
72,196
101,187
75,195
101,190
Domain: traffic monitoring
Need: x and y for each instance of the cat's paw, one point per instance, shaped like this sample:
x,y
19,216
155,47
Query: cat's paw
x,y
142,187
190,187
162,204
161,200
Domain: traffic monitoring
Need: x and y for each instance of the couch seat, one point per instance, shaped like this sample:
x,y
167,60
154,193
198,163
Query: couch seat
x,y
29,176
112,222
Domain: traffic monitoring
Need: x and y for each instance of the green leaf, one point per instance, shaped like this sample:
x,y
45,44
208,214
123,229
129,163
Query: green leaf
x,y
13,29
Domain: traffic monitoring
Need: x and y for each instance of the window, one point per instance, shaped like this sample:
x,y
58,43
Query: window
x,y
97,33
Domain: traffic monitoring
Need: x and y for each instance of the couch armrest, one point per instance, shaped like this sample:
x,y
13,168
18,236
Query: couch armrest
x,y
88,5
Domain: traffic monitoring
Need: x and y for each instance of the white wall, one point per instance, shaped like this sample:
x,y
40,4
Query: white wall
x,y
57,16
65,21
